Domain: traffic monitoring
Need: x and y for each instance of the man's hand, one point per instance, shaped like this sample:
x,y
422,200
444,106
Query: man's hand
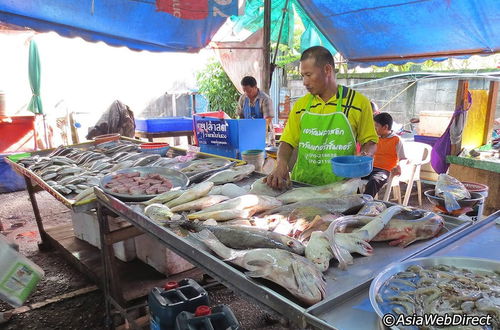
x,y
368,149
396,171
279,178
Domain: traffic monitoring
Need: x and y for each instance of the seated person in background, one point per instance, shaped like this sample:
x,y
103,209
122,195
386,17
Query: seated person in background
x,y
118,118
389,152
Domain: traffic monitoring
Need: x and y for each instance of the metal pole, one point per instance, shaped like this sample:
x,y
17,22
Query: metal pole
x,y
266,68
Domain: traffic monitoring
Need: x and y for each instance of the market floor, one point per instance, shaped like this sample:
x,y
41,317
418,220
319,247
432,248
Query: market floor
x,y
72,309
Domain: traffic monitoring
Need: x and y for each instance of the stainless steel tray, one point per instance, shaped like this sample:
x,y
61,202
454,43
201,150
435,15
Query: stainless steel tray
x,y
179,181
379,282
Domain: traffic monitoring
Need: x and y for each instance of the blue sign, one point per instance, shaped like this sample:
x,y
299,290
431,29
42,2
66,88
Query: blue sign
x,y
212,131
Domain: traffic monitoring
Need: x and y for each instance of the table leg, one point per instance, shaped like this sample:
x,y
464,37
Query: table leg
x,y
190,140
44,244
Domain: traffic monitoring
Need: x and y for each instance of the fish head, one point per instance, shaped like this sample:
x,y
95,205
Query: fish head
x,y
309,285
318,251
293,245
353,242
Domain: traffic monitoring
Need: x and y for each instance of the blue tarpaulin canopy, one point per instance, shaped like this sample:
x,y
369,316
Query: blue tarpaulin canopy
x,y
379,32
161,25
365,32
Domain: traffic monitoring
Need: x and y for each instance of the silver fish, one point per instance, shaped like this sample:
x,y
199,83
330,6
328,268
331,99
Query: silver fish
x,y
250,203
241,237
229,189
331,190
372,208
232,175
261,188
293,272
164,197
197,191
158,213
200,204
221,215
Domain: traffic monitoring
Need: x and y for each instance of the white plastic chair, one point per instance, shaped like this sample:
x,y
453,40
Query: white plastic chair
x,y
417,154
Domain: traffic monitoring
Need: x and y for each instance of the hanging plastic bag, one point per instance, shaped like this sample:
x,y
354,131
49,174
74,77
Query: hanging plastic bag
x,y
442,147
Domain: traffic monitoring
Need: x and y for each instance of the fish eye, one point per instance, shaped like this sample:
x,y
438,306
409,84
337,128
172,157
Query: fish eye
x,y
290,243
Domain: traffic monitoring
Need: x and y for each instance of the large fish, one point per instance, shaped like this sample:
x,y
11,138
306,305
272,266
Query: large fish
x,y
242,237
164,197
229,189
198,177
232,175
331,190
295,273
451,190
332,205
158,213
200,204
197,191
259,187
250,203
221,215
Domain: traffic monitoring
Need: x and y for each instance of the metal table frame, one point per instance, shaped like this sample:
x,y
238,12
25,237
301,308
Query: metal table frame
x,y
268,296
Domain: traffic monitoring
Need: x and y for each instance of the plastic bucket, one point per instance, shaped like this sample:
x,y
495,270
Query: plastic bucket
x,y
482,189
254,157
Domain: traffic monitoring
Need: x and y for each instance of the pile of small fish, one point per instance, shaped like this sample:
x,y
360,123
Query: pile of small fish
x,y
288,237
134,184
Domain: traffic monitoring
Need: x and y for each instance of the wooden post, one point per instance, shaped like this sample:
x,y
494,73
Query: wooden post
x,y
74,133
490,111
460,103
266,48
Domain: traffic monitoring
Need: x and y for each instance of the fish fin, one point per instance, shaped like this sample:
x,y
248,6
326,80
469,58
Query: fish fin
x,y
450,202
265,262
261,272
362,234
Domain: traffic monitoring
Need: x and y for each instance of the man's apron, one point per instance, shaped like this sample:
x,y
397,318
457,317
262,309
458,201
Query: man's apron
x,y
322,137
251,111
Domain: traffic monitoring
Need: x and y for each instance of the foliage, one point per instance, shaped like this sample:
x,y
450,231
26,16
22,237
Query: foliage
x,y
215,85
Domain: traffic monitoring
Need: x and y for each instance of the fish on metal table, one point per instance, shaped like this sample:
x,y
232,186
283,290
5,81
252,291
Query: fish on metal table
x,y
234,174
243,237
229,189
259,187
332,190
200,204
198,177
451,190
295,273
197,191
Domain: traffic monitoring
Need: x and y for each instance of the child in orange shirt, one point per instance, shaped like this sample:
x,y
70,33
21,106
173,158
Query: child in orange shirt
x,y
389,152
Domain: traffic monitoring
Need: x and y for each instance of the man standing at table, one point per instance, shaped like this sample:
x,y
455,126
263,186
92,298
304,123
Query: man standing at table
x,y
254,103
326,122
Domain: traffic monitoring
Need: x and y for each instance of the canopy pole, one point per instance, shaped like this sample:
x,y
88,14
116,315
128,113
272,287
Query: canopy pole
x,y
266,48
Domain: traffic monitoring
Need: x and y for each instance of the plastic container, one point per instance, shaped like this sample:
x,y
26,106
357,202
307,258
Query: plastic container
x,y
352,166
18,275
155,148
106,138
166,303
164,124
10,180
254,157
220,317
482,189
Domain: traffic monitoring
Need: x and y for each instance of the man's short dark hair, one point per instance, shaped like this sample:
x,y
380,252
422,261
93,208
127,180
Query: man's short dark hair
x,y
248,81
383,119
321,56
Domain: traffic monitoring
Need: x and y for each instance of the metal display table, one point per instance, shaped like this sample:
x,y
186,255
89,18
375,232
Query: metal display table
x,y
354,311
340,284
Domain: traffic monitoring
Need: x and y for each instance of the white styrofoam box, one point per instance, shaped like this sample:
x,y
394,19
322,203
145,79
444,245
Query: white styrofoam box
x,y
155,254
86,228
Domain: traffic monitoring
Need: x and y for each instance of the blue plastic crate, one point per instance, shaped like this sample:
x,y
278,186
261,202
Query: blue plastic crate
x,y
244,134
10,180
164,124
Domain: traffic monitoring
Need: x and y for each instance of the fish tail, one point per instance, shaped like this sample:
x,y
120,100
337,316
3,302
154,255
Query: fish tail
x,y
210,240
450,202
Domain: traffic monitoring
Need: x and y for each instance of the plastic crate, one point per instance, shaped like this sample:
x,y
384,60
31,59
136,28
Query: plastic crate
x,y
164,124
244,134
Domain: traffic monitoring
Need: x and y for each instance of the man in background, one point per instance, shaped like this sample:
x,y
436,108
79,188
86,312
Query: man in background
x,y
254,103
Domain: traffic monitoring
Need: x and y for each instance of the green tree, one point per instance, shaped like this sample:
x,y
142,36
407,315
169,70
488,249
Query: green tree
x,y
215,85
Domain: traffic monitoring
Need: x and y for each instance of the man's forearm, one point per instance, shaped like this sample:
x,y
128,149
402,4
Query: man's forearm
x,y
285,151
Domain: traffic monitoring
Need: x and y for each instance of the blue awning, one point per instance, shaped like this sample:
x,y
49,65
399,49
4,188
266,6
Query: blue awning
x,y
161,25
378,32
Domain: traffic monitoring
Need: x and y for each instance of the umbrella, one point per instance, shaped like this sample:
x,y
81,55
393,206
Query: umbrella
x,y
35,104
